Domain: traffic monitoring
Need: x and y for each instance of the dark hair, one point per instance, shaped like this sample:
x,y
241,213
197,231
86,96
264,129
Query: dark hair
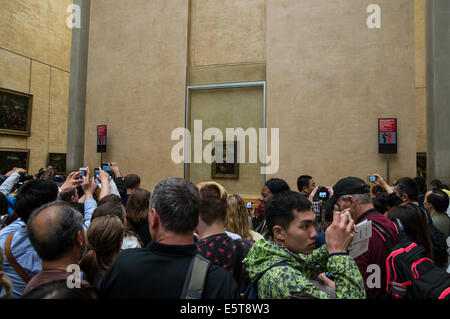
x,y
381,200
303,181
60,235
415,224
132,180
439,199
277,185
109,208
34,194
111,197
280,209
213,206
177,203
408,186
137,207
437,183
421,184
58,289
65,196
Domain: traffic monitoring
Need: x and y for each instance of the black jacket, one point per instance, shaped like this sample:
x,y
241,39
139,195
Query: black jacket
x,y
158,271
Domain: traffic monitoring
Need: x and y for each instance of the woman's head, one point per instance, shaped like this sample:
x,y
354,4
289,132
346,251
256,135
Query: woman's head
x,y
104,240
236,219
415,224
213,202
271,187
138,206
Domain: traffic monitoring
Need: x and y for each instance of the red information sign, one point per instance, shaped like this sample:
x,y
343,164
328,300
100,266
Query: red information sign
x,y
387,125
101,138
101,130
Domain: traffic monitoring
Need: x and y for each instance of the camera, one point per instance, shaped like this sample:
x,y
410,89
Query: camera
x,y
322,193
372,178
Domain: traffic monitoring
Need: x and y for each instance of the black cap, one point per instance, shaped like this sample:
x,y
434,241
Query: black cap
x,y
348,186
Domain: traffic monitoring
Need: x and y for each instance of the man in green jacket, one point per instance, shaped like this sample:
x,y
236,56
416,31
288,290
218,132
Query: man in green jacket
x,y
291,242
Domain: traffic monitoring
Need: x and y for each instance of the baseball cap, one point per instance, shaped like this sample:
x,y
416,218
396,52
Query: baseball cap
x,y
349,185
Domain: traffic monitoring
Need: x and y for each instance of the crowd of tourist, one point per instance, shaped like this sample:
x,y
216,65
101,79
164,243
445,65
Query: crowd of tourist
x,y
103,236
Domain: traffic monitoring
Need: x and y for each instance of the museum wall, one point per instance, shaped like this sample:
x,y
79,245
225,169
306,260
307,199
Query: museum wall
x,y
421,97
136,84
35,59
329,78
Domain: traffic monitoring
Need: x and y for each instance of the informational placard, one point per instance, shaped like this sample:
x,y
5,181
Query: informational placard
x,y
101,138
387,136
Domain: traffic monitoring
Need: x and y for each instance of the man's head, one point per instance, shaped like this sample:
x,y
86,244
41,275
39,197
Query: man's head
x,y
70,196
406,189
436,200
305,184
174,207
352,193
133,182
56,230
34,194
290,221
213,203
435,183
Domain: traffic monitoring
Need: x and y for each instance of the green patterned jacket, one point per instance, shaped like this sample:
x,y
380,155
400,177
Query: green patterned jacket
x,y
280,281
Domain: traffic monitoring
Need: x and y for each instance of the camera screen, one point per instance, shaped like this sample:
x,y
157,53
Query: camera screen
x,y
249,205
322,194
372,178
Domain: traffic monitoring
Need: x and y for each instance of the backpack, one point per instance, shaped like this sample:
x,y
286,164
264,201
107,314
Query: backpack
x,y
251,291
437,240
409,273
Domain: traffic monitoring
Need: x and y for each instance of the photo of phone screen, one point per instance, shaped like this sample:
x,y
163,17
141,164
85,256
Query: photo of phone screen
x,y
107,169
249,205
96,172
372,178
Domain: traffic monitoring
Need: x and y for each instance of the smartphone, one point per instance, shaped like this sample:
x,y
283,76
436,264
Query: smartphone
x,y
249,205
96,172
372,178
83,172
107,169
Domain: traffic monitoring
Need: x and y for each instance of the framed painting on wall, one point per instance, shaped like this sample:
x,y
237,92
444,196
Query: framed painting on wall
x,y
12,157
15,112
58,161
228,169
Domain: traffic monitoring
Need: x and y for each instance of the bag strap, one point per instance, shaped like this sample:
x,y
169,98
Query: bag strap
x,y
195,279
19,270
384,235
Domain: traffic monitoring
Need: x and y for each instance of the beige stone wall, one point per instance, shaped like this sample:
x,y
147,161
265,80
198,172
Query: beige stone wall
x,y
330,78
136,84
35,59
421,97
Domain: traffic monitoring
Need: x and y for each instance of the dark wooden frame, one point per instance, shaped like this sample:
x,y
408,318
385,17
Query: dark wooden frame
x,y
216,167
4,170
49,157
4,94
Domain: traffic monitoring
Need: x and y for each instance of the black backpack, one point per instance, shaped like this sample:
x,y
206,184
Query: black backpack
x,y
409,273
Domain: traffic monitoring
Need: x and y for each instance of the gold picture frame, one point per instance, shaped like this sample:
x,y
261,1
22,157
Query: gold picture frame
x,y
15,112
13,157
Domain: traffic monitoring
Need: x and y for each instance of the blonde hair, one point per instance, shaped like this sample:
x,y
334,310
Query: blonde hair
x,y
222,191
5,281
236,220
